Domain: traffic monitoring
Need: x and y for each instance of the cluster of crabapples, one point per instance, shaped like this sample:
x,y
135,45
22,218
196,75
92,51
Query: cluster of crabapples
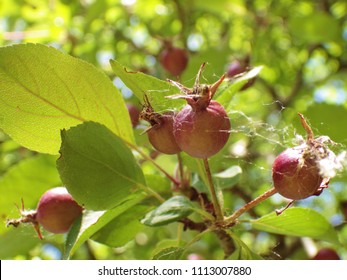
x,y
202,128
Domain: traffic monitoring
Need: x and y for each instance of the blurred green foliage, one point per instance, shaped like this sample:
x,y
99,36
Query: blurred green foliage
x,y
301,46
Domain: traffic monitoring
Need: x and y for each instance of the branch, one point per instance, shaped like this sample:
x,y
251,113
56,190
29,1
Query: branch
x,y
216,206
229,221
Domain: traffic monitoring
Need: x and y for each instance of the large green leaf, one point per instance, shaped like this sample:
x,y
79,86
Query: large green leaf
x,y
93,221
44,91
27,180
96,167
154,88
172,210
297,222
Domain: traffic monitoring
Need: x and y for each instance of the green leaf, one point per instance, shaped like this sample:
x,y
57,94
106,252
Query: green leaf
x,y
154,88
228,177
172,253
297,222
93,221
315,28
165,244
242,252
44,91
123,228
226,95
27,180
172,210
18,241
96,167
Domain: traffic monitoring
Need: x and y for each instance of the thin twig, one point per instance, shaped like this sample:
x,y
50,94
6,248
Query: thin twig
x,y
153,162
231,219
180,169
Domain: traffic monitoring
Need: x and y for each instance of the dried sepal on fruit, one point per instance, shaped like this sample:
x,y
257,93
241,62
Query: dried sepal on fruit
x,y
300,172
160,132
202,127
27,217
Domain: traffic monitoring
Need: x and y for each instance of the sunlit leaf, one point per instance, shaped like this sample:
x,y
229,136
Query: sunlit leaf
x,y
297,222
44,91
154,88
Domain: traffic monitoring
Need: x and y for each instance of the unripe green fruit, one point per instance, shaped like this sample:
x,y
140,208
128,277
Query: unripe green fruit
x,y
160,135
202,133
294,175
57,210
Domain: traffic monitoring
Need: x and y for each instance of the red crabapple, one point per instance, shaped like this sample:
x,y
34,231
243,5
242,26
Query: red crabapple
x,y
202,127
57,210
173,59
326,254
134,114
160,133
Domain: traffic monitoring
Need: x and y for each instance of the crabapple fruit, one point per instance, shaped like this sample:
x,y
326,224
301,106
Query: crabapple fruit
x,y
326,254
134,114
202,133
296,175
174,60
160,135
202,127
57,210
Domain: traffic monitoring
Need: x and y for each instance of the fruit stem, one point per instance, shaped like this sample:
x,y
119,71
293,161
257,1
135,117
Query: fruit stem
x,y
146,157
310,135
180,168
215,202
229,221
